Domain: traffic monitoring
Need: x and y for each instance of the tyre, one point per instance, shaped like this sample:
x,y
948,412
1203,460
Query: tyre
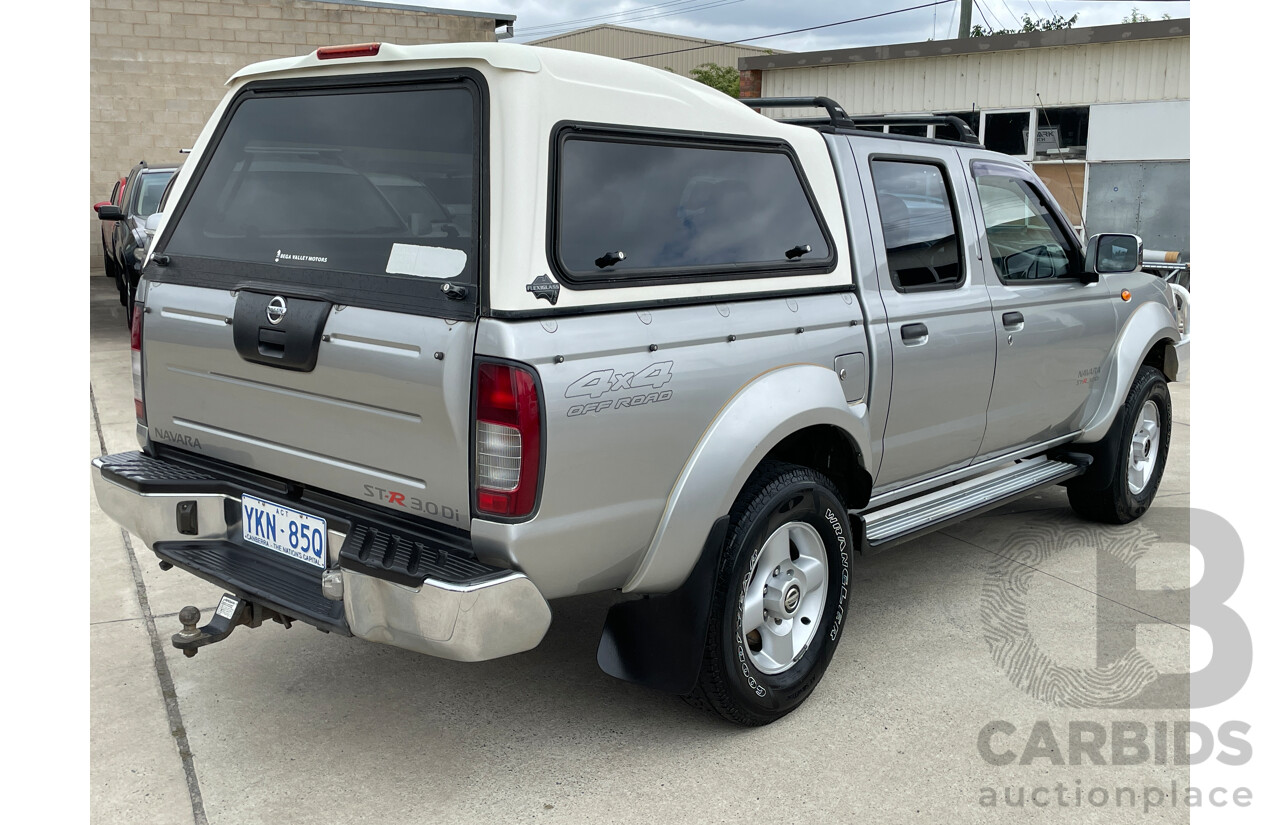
x,y
779,601
1126,488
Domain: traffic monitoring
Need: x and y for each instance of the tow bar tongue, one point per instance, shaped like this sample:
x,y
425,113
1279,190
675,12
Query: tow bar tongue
x,y
230,613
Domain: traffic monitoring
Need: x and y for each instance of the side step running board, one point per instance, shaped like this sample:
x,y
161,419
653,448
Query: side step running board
x,y
907,519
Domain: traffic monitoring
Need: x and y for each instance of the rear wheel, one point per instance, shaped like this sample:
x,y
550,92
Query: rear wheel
x,y
780,596
1129,485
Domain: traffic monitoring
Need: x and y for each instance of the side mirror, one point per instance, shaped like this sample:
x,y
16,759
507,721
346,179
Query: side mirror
x,y
1112,255
107,212
153,223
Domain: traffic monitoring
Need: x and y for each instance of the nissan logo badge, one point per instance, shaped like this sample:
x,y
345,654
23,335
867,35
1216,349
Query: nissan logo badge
x,y
276,309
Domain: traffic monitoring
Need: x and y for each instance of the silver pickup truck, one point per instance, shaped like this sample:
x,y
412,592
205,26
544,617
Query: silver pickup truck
x,y
430,336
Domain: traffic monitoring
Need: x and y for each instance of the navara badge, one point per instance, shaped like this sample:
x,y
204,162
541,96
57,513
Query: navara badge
x,y
276,309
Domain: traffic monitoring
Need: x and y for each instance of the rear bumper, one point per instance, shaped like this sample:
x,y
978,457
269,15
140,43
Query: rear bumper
x,y
382,581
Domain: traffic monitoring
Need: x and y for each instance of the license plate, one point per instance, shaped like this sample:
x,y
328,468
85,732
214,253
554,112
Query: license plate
x,y
284,530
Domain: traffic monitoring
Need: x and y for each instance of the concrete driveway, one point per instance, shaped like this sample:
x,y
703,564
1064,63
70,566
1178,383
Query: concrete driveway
x,y
960,641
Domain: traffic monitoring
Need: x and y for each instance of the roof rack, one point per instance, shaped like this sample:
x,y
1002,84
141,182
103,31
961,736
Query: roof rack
x,y
838,117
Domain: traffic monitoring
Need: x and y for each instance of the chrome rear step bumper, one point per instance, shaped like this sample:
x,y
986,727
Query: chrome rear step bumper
x,y
379,583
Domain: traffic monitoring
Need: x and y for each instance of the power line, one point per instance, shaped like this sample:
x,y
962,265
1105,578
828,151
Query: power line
x,y
711,4
1016,18
978,3
628,12
794,31
991,7
618,21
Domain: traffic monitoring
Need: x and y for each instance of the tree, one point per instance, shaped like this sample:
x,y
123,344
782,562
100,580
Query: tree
x,y
723,78
1044,24
1136,16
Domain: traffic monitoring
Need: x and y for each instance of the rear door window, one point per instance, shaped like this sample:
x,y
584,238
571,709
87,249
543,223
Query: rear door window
x,y
365,191
917,217
632,209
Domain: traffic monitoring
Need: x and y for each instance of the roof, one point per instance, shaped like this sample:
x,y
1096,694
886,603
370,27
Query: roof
x,y
545,41
498,55
559,65
1156,29
499,19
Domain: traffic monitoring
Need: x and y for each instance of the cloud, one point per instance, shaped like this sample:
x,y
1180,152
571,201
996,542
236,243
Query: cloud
x,y
737,19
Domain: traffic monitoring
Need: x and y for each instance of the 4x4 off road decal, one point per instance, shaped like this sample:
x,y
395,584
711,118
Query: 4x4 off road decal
x,y
599,383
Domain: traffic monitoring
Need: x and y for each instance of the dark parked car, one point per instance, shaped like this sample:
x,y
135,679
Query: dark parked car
x,y
124,219
108,226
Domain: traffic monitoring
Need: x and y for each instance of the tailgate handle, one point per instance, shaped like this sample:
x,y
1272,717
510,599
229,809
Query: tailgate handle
x,y
271,342
281,331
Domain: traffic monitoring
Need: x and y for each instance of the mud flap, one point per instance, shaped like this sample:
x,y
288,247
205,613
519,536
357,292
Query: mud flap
x,y
658,641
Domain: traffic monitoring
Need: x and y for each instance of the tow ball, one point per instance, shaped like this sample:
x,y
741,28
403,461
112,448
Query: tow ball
x,y
230,614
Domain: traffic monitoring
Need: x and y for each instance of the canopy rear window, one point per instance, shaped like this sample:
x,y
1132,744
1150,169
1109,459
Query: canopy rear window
x,y
366,190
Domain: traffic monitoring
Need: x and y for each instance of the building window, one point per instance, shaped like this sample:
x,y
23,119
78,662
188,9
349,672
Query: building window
x,y
1008,131
1062,132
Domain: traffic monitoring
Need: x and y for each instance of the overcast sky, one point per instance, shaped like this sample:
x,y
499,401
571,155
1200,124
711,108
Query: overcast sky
x,y
735,19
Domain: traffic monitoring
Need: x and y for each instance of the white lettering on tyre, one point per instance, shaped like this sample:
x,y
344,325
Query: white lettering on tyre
x,y
834,521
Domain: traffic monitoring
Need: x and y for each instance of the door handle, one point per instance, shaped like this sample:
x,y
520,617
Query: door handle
x,y
1012,320
914,334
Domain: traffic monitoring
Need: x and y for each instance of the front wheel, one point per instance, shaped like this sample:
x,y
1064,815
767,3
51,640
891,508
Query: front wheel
x,y
778,607
1127,487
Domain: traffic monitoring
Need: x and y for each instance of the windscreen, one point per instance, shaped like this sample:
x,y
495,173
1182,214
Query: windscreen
x,y
373,183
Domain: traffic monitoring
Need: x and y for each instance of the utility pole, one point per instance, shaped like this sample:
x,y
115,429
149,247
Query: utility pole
x,y
966,18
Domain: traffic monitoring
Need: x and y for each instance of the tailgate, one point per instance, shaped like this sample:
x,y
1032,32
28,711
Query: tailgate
x,y
382,417
311,303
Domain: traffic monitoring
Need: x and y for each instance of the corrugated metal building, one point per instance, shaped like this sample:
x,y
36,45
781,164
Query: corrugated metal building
x,y
1109,107
624,43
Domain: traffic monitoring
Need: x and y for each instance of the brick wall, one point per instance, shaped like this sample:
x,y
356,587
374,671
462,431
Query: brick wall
x,y
157,67
749,82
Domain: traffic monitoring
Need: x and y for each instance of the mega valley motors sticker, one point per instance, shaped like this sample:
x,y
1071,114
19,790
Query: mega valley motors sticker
x,y
306,259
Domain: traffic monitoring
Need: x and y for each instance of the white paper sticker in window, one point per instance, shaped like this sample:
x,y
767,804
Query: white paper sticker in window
x,y
425,261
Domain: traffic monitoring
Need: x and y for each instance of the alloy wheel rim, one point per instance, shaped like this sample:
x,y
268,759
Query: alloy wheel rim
x,y
785,597
1144,447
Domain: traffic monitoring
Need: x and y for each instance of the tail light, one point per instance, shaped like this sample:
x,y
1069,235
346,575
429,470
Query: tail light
x,y
135,358
508,440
